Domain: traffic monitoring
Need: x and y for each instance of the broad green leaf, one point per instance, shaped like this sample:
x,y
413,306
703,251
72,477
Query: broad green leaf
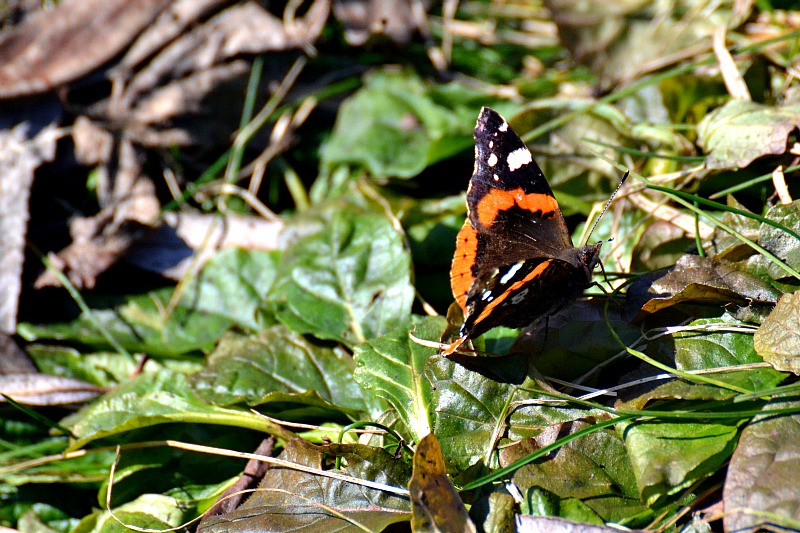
x,y
347,278
232,286
741,131
668,457
278,365
435,503
763,474
714,343
594,469
393,127
44,518
472,405
227,292
90,468
393,368
778,338
148,400
152,511
101,368
291,500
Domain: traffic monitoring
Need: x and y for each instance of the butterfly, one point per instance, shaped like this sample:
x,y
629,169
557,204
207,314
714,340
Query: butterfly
x,y
514,260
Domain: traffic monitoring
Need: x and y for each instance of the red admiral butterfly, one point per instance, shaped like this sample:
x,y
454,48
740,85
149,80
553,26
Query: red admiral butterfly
x,y
514,259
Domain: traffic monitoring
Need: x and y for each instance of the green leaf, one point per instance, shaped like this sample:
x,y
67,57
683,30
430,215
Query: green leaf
x,y
594,469
393,127
232,286
778,338
762,476
347,278
741,131
44,518
393,369
148,400
101,368
153,511
712,344
472,406
278,366
291,500
227,292
669,457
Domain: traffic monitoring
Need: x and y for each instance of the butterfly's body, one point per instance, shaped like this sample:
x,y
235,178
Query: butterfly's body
x,y
514,260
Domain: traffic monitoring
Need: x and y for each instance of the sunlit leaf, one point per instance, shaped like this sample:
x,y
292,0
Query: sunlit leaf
x,y
741,131
346,277
785,246
291,500
762,476
146,401
393,368
669,457
227,292
778,338
594,469
278,365
393,127
153,511
696,279
435,503
473,405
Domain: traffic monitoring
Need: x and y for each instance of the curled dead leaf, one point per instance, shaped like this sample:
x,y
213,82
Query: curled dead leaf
x,y
778,338
696,279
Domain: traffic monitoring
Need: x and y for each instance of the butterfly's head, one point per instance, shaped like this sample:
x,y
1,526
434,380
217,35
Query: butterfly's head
x,y
588,257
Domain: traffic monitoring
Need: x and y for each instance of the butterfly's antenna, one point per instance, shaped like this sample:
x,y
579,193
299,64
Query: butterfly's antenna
x,y
608,203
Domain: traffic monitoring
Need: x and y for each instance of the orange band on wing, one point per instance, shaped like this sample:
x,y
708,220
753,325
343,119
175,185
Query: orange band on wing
x,y
535,273
497,200
461,277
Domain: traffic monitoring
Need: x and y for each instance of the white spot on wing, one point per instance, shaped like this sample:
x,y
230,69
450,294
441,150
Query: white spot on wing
x,y
504,126
491,145
510,274
492,161
487,296
518,158
496,177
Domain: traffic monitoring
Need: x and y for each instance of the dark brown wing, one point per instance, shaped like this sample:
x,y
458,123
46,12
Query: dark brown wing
x,y
513,214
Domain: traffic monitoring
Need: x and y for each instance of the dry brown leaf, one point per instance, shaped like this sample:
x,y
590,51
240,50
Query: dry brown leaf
x,y
20,154
62,44
397,20
435,503
41,389
12,359
241,29
170,250
696,279
98,242
172,21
